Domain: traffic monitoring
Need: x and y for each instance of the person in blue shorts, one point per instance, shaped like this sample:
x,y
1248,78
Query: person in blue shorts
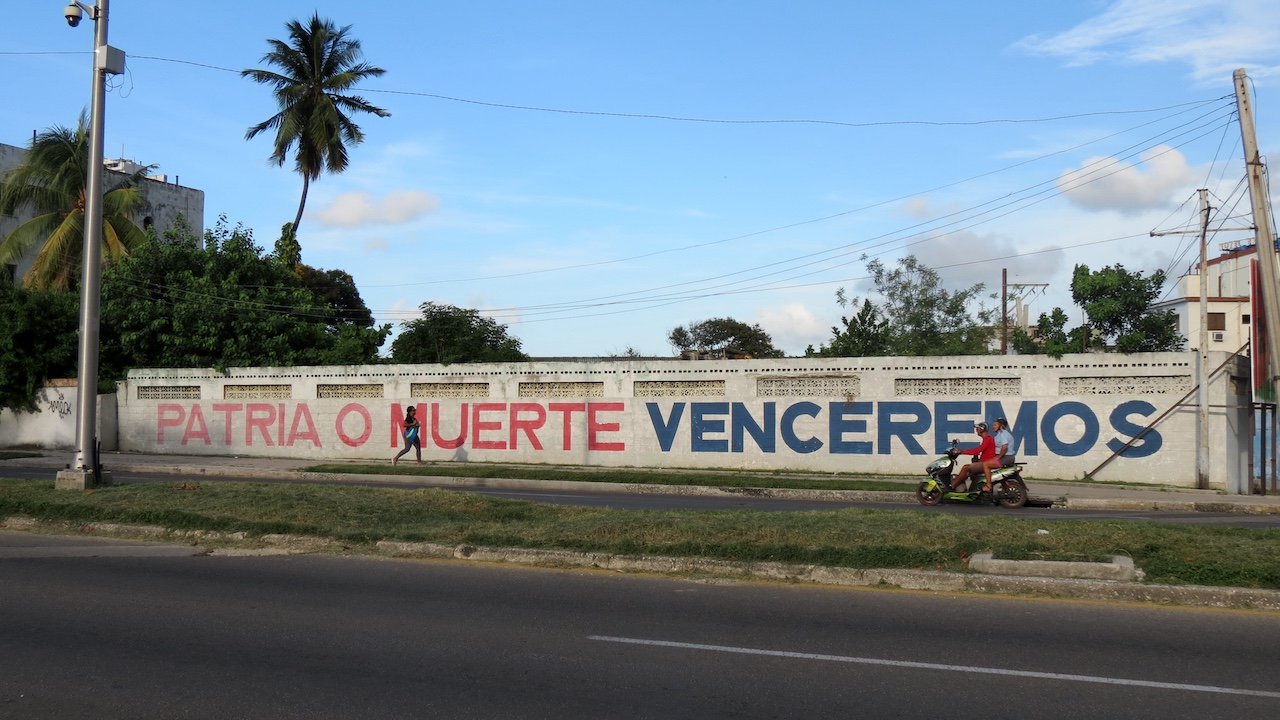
x,y
411,429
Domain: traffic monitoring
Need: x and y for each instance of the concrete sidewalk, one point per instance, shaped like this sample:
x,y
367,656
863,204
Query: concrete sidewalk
x,y
1091,496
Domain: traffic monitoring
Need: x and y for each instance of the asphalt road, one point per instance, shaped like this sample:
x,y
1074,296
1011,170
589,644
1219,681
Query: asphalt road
x,y
111,629
626,501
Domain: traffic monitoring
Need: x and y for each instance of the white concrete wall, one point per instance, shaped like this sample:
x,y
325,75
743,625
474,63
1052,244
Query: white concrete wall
x,y
53,425
875,415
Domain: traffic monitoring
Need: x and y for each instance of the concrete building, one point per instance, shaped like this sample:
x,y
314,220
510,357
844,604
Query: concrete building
x,y
164,201
1228,286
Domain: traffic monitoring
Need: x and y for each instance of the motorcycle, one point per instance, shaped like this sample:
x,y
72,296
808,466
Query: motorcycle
x,y
1007,487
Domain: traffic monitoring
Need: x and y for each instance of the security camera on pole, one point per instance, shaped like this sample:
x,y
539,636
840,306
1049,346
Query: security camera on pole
x,y
87,470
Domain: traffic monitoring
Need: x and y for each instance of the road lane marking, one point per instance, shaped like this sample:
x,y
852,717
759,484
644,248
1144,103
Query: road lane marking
x,y
936,666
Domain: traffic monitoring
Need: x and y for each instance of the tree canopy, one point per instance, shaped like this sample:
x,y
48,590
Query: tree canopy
x,y
319,66
719,334
447,334
38,341
51,182
864,334
917,315
1117,303
173,304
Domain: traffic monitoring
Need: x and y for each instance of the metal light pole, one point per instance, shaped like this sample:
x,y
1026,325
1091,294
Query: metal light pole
x,y
85,472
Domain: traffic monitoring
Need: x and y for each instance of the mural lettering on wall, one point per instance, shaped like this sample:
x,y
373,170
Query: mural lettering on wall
x,y
1064,429
723,427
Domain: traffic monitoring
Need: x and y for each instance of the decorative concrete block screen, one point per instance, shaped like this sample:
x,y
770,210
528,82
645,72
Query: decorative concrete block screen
x,y
678,388
257,392
984,387
864,415
449,390
561,389
1139,385
839,386
168,392
366,390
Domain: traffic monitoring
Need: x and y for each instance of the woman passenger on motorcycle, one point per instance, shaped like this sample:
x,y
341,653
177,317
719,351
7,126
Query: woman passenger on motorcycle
x,y
1004,444
986,450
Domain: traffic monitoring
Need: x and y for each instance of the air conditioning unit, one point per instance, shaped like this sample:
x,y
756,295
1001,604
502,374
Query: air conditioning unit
x,y
1217,336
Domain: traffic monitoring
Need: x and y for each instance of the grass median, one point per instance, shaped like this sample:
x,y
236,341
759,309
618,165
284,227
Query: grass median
x,y
855,538
734,479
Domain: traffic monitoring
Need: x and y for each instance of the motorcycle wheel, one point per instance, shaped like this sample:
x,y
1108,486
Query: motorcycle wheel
x,y
1012,494
927,496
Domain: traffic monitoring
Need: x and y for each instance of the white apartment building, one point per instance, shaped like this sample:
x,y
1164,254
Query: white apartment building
x,y
1229,305
164,201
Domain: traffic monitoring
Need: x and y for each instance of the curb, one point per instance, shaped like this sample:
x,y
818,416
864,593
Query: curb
x,y
924,580
1118,568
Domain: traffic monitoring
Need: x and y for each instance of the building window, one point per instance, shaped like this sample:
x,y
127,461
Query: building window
x,y
1217,321
1244,319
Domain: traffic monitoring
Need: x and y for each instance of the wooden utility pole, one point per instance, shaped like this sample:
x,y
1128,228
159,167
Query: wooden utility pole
x,y
1202,367
1255,171
1004,311
1202,351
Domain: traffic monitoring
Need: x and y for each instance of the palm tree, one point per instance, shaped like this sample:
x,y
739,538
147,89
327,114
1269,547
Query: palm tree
x,y
51,181
317,65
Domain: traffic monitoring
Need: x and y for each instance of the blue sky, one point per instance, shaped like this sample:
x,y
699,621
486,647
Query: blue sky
x,y
596,229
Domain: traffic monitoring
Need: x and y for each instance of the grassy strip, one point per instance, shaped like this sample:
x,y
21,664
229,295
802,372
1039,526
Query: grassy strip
x,y
608,475
1194,555
18,454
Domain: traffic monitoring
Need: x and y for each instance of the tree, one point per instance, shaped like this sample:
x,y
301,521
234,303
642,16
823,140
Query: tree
x,y
865,334
1118,305
318,65
719,334
447,334
37,341
174,304
927,319
1052,337
51,181
334,289
918,316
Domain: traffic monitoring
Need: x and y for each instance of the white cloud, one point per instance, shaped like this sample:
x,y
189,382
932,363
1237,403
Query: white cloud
x,y
793,327
356,209
917,206
1103,183
1214,37
376,243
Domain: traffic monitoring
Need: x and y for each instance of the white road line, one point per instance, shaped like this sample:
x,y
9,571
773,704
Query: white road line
x,y
935,666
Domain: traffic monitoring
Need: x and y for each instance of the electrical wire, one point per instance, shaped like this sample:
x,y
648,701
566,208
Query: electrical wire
x,y
925,235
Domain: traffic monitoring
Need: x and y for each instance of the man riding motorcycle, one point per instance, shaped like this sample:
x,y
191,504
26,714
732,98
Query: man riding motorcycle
x,y
986,451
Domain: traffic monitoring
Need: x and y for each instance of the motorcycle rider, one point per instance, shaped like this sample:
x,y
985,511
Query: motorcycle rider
x,y
986,451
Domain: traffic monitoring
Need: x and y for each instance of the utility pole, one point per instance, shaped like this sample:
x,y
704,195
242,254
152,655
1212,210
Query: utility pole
x,y
1202,352
1004,306
1202,391
1266,242
1004,311
87,471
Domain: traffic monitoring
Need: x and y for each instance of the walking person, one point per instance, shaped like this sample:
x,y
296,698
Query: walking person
x,y
411,429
